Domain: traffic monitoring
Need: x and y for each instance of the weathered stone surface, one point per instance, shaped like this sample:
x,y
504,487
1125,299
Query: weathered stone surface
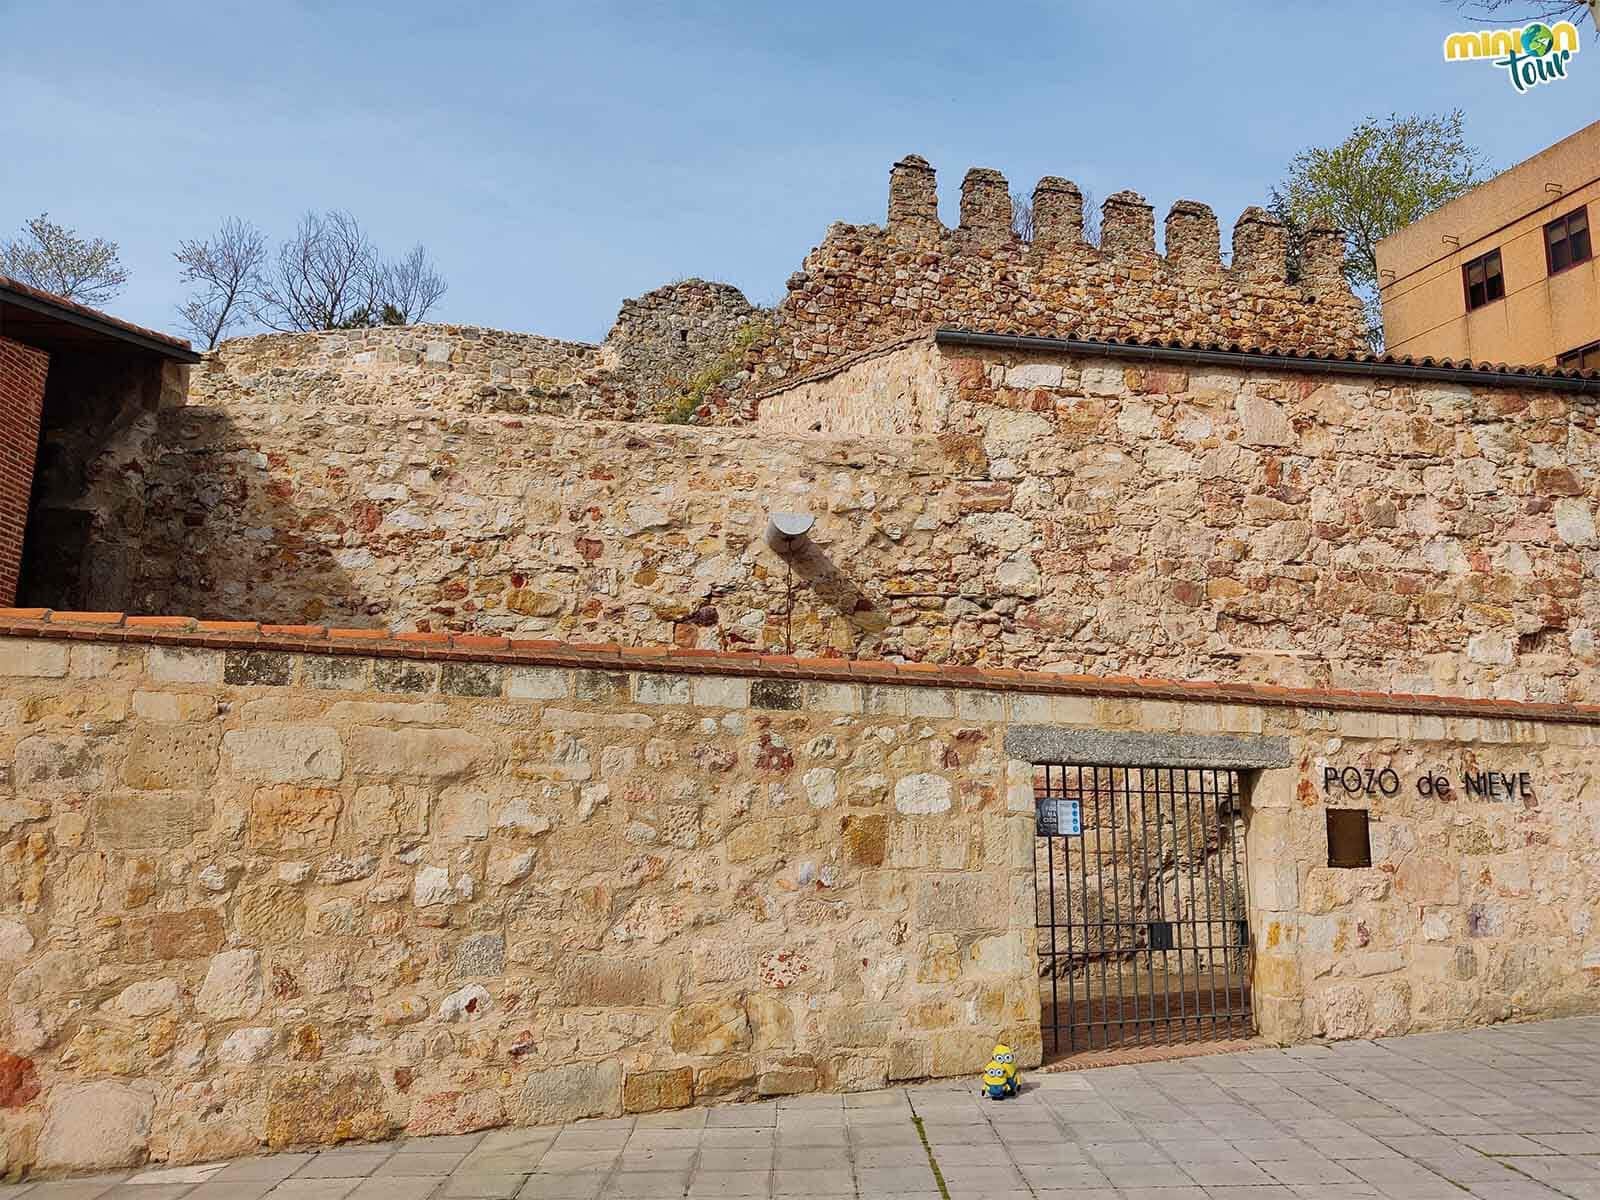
x,y
177,756
247,1045
96,1126
652,1091
922,794
294,817
322,1107
189,934
418,753
710,1028
146,820
148,998
232,986
571,1093
454,1113
287,754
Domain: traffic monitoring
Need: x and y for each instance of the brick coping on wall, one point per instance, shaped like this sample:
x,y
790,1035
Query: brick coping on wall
x,y
446,647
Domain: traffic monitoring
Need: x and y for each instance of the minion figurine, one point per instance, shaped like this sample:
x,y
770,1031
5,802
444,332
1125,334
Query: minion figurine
x,y
1000,1077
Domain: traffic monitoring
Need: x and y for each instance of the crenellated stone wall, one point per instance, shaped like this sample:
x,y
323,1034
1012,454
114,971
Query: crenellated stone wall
x,y
868,284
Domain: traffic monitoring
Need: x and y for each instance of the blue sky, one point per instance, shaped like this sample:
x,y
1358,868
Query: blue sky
x,y
556,158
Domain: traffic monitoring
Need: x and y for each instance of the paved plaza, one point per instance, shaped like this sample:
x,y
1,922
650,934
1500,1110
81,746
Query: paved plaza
x,y
1509,1113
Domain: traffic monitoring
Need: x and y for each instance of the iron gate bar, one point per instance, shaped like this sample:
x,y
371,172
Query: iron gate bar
x,y
1111,983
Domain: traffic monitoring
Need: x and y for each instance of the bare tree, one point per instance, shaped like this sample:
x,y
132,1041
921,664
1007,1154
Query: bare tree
x,y
55,259
1533,10
226,271
325,277
1022,218
409,287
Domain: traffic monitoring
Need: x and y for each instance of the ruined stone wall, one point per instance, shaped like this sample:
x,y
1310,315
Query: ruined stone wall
x,y
663,339
867,284
657,345
426,368
1076,514
263,887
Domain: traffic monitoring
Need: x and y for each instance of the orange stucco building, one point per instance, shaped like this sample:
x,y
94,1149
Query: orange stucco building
x,y
1507,273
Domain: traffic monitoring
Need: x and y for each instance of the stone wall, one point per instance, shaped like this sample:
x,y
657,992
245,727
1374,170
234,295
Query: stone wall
x,y
1031,509
867,284
658,343
268,886
257,897
662,340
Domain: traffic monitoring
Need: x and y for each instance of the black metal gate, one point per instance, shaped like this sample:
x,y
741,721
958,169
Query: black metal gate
x,y
1144,934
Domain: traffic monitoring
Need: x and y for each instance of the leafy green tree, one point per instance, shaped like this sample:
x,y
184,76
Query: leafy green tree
x,y
55,259
1385,175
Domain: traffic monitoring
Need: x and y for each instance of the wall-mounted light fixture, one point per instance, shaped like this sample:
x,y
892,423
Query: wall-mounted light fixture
x,y
786,531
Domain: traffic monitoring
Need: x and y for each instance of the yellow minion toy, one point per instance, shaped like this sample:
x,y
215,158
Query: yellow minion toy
x,y
1000,1077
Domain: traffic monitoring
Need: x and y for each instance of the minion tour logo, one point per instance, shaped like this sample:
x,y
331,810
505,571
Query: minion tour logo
x,y
1531,56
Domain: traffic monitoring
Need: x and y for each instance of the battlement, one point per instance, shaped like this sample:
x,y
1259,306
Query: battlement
x,y
868,284
1127,225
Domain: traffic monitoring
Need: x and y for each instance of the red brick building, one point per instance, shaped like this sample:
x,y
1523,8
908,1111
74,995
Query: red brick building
x,y
71,378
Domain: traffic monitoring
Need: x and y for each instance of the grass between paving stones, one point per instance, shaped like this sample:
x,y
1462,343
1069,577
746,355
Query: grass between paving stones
x,y
933,1163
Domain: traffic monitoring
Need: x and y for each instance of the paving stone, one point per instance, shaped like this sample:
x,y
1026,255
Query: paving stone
x,y
421,1163
839,1180
393,1188
334,1165
714,1158
158,1191
444,1143
474,1185
578,1185
315,1189
730,1183
73,1189
647,1185
234,1189
663,1159
196,1173
888,1180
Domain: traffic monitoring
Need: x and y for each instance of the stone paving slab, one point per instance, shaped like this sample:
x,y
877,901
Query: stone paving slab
x,y
1507,1113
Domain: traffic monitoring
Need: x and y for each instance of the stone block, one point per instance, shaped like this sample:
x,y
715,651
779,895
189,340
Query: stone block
x,y
192,933
571,1093
336,673
538,683
785,694
324,1106
472,679
600,687
153,820
653,1091
832,697
788,1077
232,986
95,1126
172,664
923,794
727,1078
483,954
865,838
455,1112
959,1051
258,668
909,1059
293,818
174,707
721,691
419,753
53,764
958,900
404,675
284,753
653,688
172,756
709,1028
34,659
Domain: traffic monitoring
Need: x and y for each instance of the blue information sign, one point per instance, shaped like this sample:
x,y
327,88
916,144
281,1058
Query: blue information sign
x,y
1060,818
